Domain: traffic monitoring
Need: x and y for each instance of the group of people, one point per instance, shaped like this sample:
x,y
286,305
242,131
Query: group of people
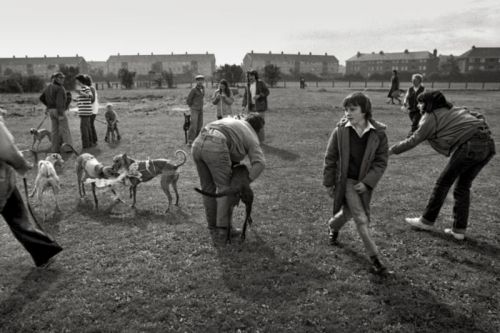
x,y
57,101
356,158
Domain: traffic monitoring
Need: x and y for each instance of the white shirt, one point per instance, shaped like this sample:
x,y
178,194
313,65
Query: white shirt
x,y
366,130
253,89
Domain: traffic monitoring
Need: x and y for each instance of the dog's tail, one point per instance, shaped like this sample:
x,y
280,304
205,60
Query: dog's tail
x,y
71,147
216,195
183,153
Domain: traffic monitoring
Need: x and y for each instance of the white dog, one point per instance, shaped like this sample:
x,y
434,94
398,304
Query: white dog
x,y
47,178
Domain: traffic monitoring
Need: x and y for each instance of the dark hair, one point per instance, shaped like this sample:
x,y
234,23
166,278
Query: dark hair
x,y
254,73
433,100
89,78
361,100
256,121
227,91
83,79
395,71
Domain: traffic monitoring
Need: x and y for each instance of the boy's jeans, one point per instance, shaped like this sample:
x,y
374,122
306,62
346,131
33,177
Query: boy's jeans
x,y
464,165
353,208
196,125
211,156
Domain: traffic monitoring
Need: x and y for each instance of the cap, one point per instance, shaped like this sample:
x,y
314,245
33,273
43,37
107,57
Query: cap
x,y
199,77
58,74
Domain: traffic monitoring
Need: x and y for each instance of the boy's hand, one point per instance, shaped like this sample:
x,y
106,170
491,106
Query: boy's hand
x,y
360,188
331,191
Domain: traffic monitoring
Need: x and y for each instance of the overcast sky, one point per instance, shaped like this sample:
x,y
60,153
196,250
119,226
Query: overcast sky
x,y
229,29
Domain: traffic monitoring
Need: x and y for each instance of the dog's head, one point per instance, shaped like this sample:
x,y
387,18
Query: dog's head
x,y
107,172
55,159
121,161
33,131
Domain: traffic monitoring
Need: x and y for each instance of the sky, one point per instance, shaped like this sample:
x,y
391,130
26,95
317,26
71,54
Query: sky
x,y
230,29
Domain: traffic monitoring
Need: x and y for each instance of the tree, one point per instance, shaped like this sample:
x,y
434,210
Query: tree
x,y
231,73
272,74
126,78
168,76
450,68
70,73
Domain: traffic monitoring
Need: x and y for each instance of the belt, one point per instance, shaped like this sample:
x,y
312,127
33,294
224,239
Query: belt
x,y
213,135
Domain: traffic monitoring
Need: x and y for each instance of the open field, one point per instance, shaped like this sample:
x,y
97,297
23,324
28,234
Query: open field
x,y
126,271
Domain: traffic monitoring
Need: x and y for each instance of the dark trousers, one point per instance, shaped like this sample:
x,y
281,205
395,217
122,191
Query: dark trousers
x,y
463,167
54,129
86,131
39,245
92,129
415,119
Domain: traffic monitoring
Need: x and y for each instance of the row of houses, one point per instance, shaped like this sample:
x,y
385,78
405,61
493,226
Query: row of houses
x,y
476,59
322,66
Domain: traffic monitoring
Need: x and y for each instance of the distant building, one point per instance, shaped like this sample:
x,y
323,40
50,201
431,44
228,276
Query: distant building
x,y
40,66
480,59
370,63
179,64
325,66
95,66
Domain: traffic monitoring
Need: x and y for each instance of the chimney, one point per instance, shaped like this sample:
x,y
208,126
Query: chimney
x,y
206,53
77,55
299,53
381,52
270,52
251,52
45,56
171,53
435,52
26,56
358,54
152,53
186,53
118,53
310,53
473,47
326,53
58,55
281,52
406,51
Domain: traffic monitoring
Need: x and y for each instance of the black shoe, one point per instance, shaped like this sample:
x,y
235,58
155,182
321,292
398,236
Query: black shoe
x,y
234,231
333,236
49,260
377,267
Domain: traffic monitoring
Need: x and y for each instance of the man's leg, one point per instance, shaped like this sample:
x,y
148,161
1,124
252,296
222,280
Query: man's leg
x,y
199,125
262,134
54,129
206,182
40,246
192,133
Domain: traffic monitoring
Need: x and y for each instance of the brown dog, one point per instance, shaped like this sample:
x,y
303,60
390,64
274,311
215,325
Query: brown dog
x,y
39,135
143,171
239,189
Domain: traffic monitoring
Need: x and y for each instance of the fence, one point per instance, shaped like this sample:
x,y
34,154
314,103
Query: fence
x,y
325,84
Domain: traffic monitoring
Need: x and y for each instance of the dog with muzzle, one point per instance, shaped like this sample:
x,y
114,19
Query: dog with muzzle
x,y
39,135
239,190
47,178
140,171
88,167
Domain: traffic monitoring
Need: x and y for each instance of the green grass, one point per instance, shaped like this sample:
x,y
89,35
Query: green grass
x,y
147,271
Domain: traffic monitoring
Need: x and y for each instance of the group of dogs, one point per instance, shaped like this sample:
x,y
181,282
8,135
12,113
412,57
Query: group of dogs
x,y
126,170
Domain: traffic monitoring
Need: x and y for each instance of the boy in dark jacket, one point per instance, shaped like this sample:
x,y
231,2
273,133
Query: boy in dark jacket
x,y
355,160
410,101
195,102
255,98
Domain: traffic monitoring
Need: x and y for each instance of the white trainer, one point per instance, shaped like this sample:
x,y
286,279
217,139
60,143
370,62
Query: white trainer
x,y
455,235
417,223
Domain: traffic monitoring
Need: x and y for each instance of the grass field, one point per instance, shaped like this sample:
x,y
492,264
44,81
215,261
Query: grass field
x,y
130,271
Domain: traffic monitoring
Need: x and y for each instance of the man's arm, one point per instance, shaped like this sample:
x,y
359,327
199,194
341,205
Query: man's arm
x,y
331,160
264,91
426,129
189,99
257,159
379,163
61,101
9,152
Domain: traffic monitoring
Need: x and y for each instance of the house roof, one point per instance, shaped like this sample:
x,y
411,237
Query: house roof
x,y
417,55
161,57
291,57
42,60
482,52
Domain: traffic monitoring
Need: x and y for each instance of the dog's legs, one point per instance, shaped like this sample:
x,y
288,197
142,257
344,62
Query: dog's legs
x,y
133,190
54,193
174,186
95,197
34,141
164,186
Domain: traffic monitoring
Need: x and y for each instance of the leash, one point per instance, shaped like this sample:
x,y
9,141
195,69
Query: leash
x,y
41,123
29,205
100,121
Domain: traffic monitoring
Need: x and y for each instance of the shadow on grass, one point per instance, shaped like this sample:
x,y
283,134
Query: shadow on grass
x,y
256,273
414,308
132,217
470,244
281,153
29,289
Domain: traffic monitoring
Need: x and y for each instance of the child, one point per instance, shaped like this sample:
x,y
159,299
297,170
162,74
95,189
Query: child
x,y
84,101
112,120
355,160
223,98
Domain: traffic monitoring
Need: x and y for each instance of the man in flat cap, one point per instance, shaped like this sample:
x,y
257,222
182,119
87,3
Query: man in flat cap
x,y
54,98
195,103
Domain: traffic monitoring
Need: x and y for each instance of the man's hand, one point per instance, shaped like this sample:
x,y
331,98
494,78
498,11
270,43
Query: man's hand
x,y
330,191
360,188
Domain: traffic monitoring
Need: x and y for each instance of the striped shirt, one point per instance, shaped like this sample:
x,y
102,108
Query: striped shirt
x,y
84,102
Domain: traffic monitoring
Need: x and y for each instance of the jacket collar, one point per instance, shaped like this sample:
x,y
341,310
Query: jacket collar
x,y
369,127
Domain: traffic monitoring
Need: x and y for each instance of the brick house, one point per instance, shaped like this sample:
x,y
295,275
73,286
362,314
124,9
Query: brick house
x,y
485,59
40,66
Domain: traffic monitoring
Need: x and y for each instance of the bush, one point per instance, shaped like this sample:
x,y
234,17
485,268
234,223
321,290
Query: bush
x,y
33,83
126,78
17,83
11,85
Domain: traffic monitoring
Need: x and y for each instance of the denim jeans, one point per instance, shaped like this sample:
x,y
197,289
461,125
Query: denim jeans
x,y
196,125
213,163
415,119
463,167
353,208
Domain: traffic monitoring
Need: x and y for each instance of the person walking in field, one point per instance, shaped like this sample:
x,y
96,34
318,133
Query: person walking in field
x,y
54,98
465,136
84,101
394,91
223,99
355,160
40,246
255,98
195,101
410,101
